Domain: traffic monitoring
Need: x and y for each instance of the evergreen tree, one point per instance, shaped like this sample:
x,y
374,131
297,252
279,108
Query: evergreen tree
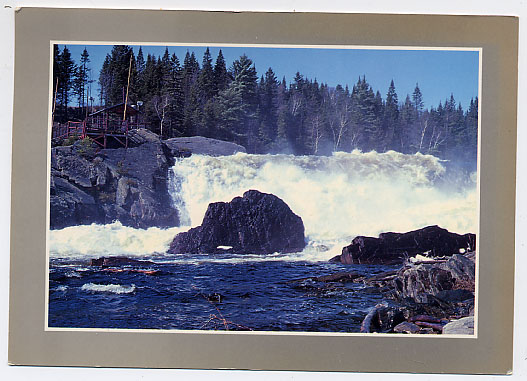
x,y
363,117
244,84
206,79
407,119
81,82
105,81
417,100
418,130
221,76
391,120
471,127
66,70
114,75
140,69
268,107
178,102
189,75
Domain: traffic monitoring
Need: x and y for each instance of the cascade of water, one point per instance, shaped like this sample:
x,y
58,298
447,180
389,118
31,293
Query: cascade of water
x,y
338,197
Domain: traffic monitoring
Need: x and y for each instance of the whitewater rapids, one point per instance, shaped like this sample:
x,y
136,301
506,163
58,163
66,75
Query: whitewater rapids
x,y
338,197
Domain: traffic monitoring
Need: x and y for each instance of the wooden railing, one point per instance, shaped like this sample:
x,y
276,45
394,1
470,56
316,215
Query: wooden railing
x,y
65,130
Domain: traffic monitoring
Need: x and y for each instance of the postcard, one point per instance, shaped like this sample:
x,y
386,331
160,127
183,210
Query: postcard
x,y
211,191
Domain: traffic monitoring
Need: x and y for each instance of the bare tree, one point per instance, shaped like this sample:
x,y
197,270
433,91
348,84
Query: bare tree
x,y
161,104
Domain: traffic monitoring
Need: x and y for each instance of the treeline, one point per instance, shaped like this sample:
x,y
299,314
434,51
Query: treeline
x,y
265,114
71,85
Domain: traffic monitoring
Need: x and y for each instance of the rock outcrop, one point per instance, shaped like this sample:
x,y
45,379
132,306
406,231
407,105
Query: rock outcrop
x,y
183,147
257,223
450,281
393,248
428,295
129,185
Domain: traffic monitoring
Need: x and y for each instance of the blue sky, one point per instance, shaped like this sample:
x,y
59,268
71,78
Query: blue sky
x,y
438,72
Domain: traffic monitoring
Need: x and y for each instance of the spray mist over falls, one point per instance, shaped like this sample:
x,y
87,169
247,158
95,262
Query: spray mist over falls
x,y
338,197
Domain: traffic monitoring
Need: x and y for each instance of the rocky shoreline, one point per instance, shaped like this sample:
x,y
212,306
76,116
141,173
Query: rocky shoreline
x,y
88,185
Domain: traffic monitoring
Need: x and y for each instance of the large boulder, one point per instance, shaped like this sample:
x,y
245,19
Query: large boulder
x,y
258,223
393,248
198,145
125,184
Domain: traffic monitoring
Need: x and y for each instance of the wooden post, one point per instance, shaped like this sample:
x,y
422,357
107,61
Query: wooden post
x,y
126,103
127,88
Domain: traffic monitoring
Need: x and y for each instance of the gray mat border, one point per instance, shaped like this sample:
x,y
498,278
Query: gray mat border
x,y
30,344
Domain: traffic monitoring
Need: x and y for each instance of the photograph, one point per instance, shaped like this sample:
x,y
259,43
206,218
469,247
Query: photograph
x,y
270,188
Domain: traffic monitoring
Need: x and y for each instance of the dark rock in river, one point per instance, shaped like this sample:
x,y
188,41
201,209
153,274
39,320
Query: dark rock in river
x,y
129,185
118,261
258,223
393,248
382,318
183,147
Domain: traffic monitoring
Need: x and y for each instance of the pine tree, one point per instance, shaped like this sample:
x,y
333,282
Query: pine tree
x,y
417,100
221,76
245,84
81,81
471,126
363,118
418,130
407,119
140,69
206,79
268,91
114,75
66,70
391,120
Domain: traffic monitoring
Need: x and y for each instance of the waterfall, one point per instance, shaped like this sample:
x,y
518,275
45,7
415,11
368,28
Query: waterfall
x,y
338,197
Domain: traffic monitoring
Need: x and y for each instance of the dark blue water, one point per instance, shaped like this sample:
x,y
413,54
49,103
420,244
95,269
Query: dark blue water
x,y
200,294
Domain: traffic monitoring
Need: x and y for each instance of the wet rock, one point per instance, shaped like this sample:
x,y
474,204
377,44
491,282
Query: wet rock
x,y
258,223
118,261
406,327
425,280
393,248
464,326
455,296
383,317
199,145
342,277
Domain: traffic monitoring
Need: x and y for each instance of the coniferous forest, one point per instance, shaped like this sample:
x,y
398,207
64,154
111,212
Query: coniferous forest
x,y
203,96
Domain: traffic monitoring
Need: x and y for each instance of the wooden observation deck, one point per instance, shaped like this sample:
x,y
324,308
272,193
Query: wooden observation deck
x,y
106,127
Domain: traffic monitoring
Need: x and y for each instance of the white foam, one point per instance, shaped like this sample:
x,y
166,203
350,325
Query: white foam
x,y
92,241
112,288
340,196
